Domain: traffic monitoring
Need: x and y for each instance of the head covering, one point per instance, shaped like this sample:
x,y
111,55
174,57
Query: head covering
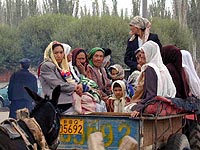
x,y
120,75
107,57
133,78
172,58
107,51
138,22
75,71
25,62
106,61
172,54
119,104
193,78
147,30
92,52
77,51
67,48
64,67
165,86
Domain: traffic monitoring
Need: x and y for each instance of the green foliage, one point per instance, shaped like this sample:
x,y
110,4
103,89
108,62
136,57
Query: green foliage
x,y
34,34
10,51
170,32
93,31
193,20
37,32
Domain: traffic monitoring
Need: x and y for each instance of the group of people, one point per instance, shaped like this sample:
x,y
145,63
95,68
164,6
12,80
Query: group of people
x,y
85,85
160,70
90,84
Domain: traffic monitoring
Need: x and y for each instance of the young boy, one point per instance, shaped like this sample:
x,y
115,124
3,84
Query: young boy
x,y
119,98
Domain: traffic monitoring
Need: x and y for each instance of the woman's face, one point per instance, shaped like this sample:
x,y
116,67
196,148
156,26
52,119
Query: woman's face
x,y
134,30
58,53
81,58
140,56
97,58
69,57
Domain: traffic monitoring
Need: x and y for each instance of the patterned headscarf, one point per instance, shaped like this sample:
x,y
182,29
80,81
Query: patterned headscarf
x,y
133,78
120,75
138,22
147,30
92,52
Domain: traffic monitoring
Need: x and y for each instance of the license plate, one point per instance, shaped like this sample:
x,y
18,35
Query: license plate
x,y
71,126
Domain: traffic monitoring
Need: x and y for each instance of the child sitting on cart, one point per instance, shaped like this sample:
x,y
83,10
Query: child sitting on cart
x,y
119,98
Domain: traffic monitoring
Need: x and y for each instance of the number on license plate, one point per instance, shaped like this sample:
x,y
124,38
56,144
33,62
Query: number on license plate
x,y
71,126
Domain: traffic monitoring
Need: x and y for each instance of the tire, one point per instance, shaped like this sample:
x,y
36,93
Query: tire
x,y
194,138
177,142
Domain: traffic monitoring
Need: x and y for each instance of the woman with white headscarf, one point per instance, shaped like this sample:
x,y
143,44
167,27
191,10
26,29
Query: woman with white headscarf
x,y
157,80
192,77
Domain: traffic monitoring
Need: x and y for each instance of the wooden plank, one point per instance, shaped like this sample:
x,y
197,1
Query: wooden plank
x,y
164,129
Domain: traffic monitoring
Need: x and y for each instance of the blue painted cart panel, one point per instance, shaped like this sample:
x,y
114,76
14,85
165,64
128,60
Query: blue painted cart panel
x,y
113,128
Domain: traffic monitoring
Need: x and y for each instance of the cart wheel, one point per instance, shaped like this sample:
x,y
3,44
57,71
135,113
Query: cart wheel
x,y
177,141
194,138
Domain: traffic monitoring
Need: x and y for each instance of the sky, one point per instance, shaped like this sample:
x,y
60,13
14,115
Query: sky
x,y
122,4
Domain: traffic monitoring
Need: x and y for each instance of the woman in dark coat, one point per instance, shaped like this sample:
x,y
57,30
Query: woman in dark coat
x,y
138,26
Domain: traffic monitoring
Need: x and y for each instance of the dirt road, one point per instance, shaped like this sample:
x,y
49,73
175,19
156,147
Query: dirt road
x,y
4,113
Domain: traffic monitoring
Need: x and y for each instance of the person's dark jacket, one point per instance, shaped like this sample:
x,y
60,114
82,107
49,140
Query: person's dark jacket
x,y
130,58
18,81
16,93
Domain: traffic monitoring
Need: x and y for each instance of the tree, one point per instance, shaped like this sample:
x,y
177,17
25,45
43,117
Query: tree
x,y
115,11
136,7
180,8
144,8
193,19
105,10
10,51
157,9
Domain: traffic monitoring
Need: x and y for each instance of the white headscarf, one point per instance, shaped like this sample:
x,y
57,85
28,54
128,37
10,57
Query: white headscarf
x,y
67,50
119,104
106,60
66,47
166,87
193,79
